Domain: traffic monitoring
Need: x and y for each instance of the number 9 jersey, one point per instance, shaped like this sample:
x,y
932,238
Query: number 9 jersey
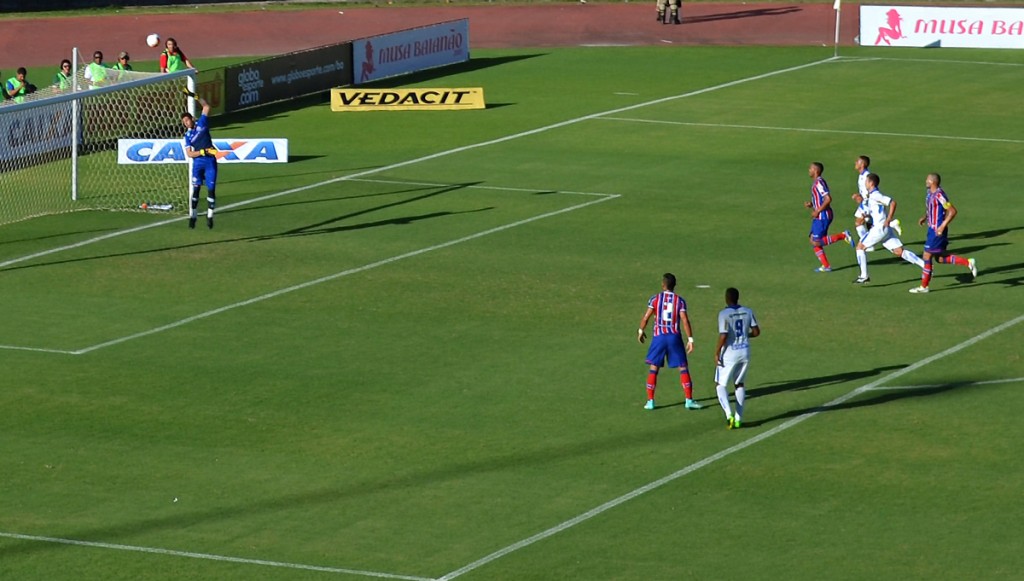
x,y
735,323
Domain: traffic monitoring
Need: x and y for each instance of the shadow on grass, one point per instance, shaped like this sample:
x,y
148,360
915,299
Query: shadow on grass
x,y
473,64
318,228
335,174
280,110
989,276
880,397
443,470
59,235
816,382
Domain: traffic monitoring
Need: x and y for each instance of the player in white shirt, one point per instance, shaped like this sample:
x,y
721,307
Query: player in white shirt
x,y
862,220
880,209
736,325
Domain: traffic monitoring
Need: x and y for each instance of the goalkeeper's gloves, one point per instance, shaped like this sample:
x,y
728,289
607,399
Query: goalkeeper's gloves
x,y
187,92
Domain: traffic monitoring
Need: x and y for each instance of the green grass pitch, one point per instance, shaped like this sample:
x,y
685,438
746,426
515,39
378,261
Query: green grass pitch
x,y
410,365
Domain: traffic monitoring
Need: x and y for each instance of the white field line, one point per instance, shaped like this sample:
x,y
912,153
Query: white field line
x,y
209,557
37,349
438,155
279,292
954,384
724,453
812,130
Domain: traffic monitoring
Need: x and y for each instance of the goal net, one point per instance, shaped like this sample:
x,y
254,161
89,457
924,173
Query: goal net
x,y
61,145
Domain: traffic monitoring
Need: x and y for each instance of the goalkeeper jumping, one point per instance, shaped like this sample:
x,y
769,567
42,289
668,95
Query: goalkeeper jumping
x,y
199,146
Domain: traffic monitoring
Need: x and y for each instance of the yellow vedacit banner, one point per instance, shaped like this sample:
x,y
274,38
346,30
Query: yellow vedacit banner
x,y
406,99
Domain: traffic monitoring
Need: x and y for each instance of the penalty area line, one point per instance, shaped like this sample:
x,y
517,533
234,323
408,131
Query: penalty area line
x,y
210,557
722,454
338,275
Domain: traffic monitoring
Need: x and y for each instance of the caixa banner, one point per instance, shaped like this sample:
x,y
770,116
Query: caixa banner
x,y
139,151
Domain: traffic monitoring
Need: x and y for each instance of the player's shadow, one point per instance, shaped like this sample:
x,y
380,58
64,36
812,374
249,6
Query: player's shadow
x,y
816,382
879,397
337,173
60,235
752,13
410,189
402,221
324,226
990,276
318,228
996,233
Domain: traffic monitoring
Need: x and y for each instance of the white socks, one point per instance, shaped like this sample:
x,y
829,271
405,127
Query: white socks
x,y
913,258
723,400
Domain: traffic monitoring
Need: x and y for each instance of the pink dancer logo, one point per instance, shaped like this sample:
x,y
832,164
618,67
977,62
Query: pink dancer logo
x,y
893,29
368,68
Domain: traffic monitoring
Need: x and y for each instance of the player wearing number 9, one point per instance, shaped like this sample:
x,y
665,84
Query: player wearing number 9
x,y
667,343
199,147
736,325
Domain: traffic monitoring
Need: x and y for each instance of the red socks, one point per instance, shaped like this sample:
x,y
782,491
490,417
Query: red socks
x,y
684,380
820,253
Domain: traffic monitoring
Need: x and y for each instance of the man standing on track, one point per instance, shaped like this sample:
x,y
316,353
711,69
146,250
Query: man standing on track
x,y
672,14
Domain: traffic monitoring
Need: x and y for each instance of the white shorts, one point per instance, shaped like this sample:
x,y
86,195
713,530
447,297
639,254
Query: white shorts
x,y
733,368
882,235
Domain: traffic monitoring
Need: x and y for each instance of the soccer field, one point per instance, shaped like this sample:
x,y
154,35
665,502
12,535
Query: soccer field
x,y
410,353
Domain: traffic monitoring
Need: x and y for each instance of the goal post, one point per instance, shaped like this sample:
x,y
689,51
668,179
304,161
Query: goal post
x,y
61,145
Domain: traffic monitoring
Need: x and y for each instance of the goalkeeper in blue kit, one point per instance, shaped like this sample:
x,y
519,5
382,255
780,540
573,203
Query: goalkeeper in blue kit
x,y
199,147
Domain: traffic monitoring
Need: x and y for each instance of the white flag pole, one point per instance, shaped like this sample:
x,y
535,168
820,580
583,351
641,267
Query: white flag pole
x,y
836,7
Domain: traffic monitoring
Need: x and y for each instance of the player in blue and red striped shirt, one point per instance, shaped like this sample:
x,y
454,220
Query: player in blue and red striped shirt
x,y
820,206
667,343
939,212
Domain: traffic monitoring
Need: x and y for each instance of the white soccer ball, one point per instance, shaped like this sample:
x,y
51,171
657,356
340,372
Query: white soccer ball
x,y
153,39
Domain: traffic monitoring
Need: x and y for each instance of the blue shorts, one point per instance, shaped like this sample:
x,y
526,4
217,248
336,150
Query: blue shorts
x,y
667,346
204,169
935,244
819,228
